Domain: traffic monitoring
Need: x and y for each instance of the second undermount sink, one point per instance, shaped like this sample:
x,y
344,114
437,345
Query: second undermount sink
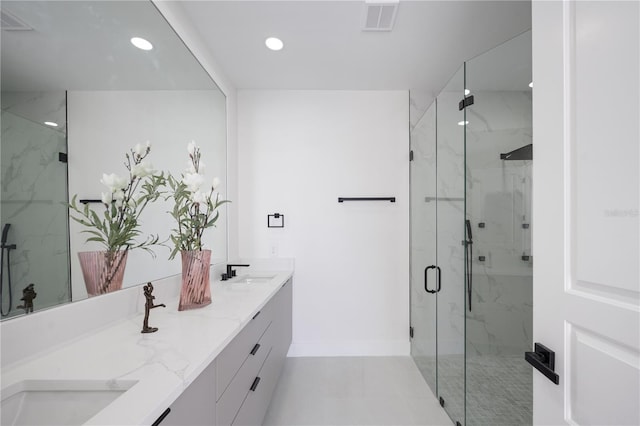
x,y
253,279
58,402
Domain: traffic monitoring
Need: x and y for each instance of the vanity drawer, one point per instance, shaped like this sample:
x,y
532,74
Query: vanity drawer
x,y
257,401
234,355
229,403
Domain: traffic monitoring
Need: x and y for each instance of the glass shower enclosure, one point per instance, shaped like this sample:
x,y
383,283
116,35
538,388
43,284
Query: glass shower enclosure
x,y
471,264
33,212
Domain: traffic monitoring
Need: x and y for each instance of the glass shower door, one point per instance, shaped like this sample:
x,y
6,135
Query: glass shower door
x,y
423,245
498,164
450,193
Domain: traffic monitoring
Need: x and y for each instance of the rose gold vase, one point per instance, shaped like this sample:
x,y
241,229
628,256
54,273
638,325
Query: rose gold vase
x,y
103,271
196,290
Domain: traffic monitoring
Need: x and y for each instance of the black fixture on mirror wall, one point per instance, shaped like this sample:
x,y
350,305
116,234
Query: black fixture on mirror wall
x,y
90,201
390,199
275,220
6,248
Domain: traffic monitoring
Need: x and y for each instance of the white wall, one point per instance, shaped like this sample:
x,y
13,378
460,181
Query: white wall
x,y
298,152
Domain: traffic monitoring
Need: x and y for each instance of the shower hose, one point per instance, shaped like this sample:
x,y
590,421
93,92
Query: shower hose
x,y
8,249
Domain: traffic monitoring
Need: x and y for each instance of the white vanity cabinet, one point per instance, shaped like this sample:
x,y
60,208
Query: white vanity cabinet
x,y
249,367
193,407
236,388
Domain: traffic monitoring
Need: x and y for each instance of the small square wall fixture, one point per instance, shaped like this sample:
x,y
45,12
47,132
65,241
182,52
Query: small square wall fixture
x,y
275,220
380,15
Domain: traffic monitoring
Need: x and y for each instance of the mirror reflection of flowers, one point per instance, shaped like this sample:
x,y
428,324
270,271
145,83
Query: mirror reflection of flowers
x,y
195,204
117,228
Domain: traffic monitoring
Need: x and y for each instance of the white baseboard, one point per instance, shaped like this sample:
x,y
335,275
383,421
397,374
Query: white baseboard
x,y
350,348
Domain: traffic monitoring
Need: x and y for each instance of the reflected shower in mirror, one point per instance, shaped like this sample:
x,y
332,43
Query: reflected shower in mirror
x,y
72,63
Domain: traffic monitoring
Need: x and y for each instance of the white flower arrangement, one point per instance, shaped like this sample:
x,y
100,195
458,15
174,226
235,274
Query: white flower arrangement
x,y
195,208
124,201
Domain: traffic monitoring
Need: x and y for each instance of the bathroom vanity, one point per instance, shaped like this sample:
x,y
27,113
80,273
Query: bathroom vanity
x,y
236,388
217,365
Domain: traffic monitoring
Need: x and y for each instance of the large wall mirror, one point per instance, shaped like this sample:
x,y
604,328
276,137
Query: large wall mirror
x,y
76,96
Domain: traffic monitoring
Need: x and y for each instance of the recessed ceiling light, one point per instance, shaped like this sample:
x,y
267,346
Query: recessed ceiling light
x,y
51,123
467,92
531,84
274,43
141,43
462,123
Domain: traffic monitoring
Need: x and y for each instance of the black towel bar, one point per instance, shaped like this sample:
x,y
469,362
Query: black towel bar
x,y
391,199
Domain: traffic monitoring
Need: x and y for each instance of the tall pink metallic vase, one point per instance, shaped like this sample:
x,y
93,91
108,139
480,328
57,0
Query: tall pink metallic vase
x,y
103,271
196,290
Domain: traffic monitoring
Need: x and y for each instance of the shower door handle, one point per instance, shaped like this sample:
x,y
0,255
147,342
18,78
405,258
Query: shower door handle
x,y
426,280
438,280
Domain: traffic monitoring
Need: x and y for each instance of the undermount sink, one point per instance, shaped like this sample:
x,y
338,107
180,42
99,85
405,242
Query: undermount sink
x,y
58,402
253,279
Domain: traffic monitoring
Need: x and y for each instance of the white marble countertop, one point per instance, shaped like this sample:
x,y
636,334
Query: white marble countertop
x,y
163,363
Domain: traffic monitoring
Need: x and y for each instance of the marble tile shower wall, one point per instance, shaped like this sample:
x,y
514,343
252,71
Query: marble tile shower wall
x,y
34,187
499,207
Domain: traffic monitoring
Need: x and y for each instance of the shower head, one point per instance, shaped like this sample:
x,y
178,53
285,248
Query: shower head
x,y
523,153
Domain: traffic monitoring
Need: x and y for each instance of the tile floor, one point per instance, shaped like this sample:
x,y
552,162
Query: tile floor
x,y
353,391
499,388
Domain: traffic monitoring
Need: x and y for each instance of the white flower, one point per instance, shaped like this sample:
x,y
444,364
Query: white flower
x,y
118,195
199,197
139,150
216,183
192,147
190,167
142,169
107,197
193,181
118,203
114,182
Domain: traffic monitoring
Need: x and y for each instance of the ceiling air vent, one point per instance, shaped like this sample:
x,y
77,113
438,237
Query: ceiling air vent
x,y
8,22
380,15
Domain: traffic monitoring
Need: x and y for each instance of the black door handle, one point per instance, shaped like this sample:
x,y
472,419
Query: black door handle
x,y
439,278
543,360
426,281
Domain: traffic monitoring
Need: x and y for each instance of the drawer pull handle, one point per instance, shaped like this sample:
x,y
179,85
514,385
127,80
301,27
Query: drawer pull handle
x,y
254,385
256,315
255,349
162,416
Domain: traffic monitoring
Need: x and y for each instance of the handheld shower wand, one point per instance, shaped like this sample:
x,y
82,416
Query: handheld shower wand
x,y
8,248
469,259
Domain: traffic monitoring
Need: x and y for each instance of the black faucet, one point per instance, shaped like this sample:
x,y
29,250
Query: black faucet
x,y
231,272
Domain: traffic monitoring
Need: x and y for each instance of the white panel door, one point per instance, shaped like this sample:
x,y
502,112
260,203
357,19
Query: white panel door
x,y
585,164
